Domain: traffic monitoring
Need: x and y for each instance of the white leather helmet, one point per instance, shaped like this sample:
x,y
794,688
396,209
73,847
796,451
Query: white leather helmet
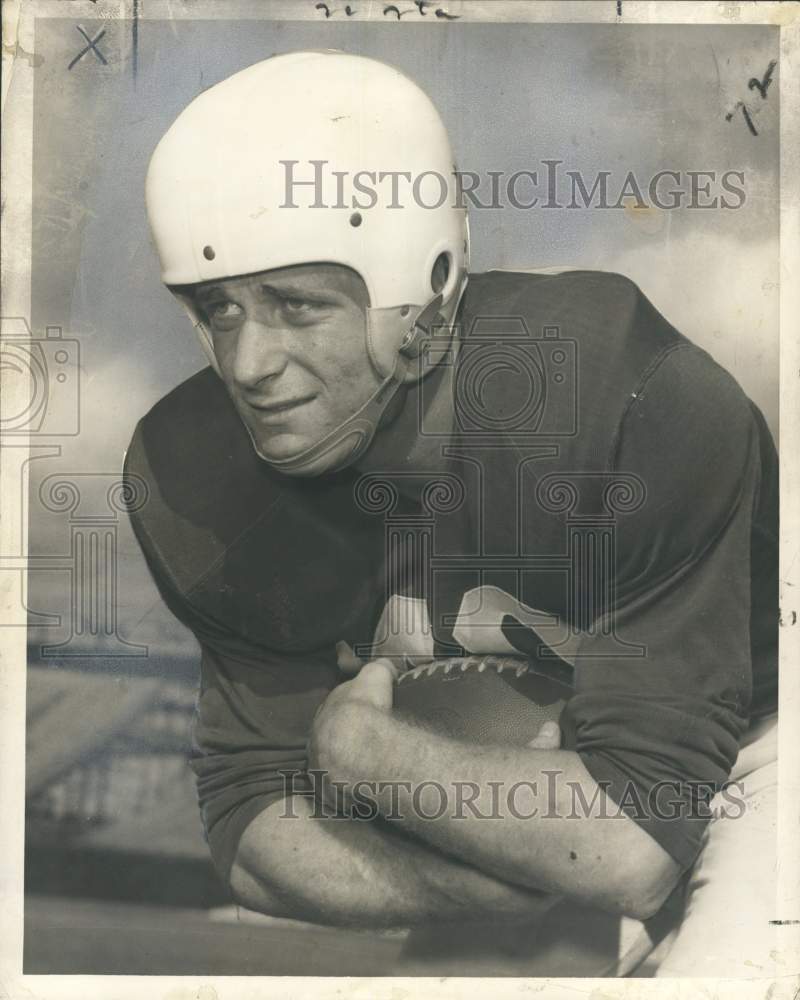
x,y
258,173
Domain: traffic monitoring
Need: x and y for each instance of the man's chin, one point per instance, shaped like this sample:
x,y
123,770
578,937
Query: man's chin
x,y
289,454
280,447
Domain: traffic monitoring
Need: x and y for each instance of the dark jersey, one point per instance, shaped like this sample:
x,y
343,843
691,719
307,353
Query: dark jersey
x,y
608,504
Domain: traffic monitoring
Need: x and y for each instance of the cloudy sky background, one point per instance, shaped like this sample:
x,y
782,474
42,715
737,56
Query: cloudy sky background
x,y
608,97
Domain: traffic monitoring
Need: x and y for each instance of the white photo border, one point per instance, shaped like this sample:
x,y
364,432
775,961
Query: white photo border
x,y
17,114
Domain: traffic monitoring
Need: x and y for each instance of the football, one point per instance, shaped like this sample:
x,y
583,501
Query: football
x,y
489,700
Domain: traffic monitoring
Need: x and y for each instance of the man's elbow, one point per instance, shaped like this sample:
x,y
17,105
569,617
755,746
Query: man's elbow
x,y
262,876
254,893
255,889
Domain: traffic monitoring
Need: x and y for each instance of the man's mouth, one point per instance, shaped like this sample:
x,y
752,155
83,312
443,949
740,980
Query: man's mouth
x,y
268,409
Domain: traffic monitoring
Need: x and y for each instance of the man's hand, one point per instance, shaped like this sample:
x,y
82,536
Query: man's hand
x,y
335,742
372,685
548,737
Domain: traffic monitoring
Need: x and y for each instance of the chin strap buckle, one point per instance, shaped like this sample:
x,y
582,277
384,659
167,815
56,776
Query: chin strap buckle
x,y
411,345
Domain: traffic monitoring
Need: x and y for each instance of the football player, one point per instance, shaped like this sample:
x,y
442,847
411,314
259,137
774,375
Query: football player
x,y
355,366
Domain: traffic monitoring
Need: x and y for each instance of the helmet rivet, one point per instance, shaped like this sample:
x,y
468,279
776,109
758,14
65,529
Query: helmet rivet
x,y
208,253
355,220
404,310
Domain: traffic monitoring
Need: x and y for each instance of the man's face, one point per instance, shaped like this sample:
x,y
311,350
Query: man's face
x,y
290,344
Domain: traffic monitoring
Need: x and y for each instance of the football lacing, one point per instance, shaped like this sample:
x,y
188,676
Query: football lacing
x,y
464,663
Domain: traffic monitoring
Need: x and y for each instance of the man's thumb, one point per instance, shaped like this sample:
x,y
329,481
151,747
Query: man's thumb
x,y
375,682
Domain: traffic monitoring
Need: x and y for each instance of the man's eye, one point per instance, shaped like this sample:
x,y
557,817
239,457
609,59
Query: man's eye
x,y
223,309
300,312
223,312
296,305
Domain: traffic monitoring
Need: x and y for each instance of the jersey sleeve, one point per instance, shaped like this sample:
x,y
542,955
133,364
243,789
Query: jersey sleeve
x,y
255,704
660,731
254,714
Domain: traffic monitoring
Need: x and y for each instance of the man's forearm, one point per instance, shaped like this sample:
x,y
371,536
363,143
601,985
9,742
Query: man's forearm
x,y
520,823
360,873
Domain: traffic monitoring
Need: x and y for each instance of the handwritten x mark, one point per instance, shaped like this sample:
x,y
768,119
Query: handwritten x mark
x,y
90,47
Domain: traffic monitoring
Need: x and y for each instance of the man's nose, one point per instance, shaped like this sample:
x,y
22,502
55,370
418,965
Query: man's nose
x,y
261,353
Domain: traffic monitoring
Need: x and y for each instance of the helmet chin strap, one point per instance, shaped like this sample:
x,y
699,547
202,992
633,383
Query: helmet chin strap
x,y
346,443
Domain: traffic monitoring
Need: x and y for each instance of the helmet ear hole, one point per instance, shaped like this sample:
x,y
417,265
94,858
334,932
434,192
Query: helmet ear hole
x,y
440,272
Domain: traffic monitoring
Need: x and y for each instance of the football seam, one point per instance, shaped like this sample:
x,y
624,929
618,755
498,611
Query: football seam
x,y
463,663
